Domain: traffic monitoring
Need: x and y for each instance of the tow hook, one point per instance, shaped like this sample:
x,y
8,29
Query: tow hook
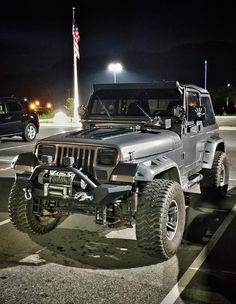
x,y
83,196
28,194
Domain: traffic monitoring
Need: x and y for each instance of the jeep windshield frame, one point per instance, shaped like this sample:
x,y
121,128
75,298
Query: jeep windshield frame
x,y
133,105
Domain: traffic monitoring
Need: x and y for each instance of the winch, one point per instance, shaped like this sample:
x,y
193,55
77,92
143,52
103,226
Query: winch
x,y
57,183
60,184
61,178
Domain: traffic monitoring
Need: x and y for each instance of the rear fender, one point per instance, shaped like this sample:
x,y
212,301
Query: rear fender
x,y
213,144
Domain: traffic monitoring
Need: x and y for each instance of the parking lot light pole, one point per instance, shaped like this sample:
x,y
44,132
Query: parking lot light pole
x,y
205,74
227,98
115,68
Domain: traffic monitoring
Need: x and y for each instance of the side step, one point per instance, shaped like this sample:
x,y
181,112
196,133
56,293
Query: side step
x,y
192,180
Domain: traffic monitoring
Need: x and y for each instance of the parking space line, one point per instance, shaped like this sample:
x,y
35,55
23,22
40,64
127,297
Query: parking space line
x,y
5,222
16,147
5,169
179,287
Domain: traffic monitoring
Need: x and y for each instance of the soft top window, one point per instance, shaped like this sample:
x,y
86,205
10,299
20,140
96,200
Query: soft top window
x,y
135,102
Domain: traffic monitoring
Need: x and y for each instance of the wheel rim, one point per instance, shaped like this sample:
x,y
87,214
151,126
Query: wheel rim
x,y
222,175
31,132
172,220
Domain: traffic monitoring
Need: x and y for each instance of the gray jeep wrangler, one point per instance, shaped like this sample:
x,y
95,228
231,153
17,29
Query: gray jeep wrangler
x,y
142,146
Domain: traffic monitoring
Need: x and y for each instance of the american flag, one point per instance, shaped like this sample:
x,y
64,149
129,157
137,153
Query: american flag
x,y
76,38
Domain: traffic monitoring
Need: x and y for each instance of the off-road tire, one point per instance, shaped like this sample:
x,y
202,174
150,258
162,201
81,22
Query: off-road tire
x,y
30,132
156,202
214,184
22,216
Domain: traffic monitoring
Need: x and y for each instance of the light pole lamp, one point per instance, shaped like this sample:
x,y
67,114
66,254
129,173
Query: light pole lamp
x,y
115,68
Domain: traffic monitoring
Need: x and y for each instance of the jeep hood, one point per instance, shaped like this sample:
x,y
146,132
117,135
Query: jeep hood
x,y
140,142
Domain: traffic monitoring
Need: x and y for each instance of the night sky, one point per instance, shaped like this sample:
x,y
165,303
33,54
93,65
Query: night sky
x,y
154,40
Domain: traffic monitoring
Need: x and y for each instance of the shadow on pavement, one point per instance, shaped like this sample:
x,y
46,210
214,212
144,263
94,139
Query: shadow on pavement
x,y
215,280
75,247
92,249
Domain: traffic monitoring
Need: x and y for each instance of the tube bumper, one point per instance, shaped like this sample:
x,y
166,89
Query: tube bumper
x,y
94,194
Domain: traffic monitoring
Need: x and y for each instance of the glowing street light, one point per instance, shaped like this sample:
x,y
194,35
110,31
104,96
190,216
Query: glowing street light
x,y
115,68
49,105
32,106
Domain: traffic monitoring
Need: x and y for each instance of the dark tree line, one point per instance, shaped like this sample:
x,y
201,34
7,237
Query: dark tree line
x,y
224,99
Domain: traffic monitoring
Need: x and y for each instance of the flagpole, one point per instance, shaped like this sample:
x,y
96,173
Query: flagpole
x,y
76,117
205,75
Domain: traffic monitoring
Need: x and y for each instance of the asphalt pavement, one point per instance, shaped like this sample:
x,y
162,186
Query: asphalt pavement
x,y
80,263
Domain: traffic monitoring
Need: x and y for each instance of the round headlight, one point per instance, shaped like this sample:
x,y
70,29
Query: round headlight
x,y
106,157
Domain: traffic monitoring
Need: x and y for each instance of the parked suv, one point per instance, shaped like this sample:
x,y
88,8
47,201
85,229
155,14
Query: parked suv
x,y
142,146
16,118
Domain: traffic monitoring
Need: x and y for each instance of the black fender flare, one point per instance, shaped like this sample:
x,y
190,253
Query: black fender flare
x,y
213,144
25,162
130,172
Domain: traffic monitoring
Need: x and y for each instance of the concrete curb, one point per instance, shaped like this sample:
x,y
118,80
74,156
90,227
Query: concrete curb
x,y
227,128
226,121
51,124
56,125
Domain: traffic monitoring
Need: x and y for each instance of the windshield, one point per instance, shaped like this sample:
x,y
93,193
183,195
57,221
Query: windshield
x,y
135,102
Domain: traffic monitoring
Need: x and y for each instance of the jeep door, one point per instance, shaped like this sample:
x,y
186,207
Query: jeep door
x,y
192,137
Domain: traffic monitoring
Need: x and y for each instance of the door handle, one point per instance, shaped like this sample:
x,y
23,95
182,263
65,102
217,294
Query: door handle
x,y
194,128
9,117
191,128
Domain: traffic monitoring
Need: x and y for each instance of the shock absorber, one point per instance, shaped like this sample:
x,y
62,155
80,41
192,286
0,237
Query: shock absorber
x,y
135,199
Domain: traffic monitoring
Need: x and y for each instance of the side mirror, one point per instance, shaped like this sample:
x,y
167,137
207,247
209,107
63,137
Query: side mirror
x,y
200,113
178,111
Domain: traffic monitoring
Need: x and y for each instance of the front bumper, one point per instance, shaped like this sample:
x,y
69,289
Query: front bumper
x,y
41,186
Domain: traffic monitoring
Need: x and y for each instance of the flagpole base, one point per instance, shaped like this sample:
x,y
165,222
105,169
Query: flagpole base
x,y
76,121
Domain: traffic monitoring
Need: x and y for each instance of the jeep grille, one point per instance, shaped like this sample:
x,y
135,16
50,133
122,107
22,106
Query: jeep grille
x,y
84,155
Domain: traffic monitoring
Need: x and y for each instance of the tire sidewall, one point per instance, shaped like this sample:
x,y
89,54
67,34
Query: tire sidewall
x,y
172,245
22,216
223,161
152,218
211,189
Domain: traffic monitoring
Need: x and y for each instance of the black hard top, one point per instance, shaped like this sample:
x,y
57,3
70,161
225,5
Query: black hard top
x,y
149,85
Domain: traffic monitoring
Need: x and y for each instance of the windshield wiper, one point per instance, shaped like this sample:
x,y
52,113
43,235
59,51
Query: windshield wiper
x,y
153,122
105,108
144,112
